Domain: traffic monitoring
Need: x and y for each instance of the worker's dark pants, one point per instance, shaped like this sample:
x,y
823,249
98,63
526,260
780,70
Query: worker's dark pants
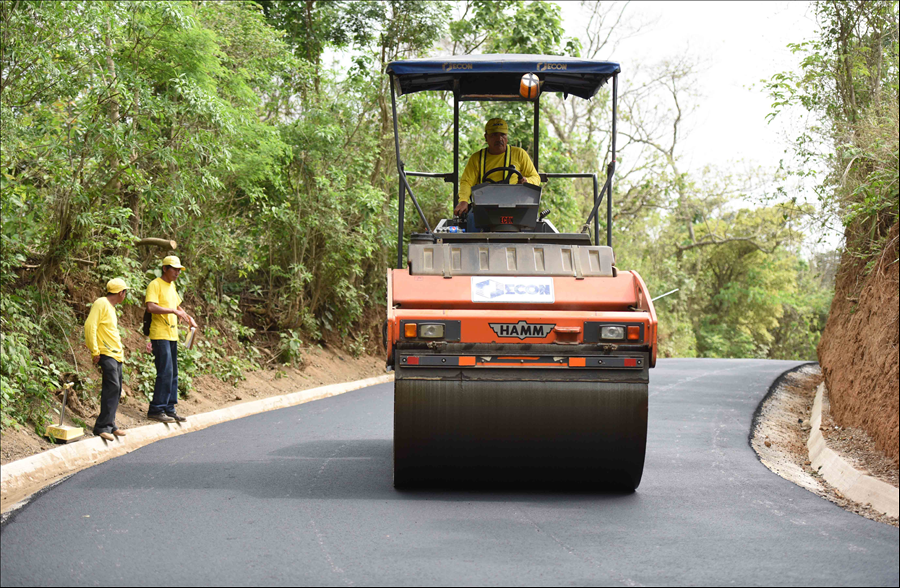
x,y
110,391
470,223
165,391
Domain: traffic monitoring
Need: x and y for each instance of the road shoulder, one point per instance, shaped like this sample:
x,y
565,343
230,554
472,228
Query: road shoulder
x,y
22,478
782,429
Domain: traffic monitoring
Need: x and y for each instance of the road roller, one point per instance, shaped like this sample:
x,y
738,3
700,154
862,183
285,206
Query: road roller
x,y
521,354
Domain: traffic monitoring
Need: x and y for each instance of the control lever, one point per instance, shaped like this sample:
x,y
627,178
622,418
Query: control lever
x,y
461,219
544,213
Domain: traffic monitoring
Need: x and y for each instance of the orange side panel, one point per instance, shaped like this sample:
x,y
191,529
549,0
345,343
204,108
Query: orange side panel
x,y
575,301
569,293
648,306
390,313
476,324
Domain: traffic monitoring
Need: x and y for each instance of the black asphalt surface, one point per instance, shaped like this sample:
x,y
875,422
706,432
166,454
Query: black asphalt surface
x,y
303,496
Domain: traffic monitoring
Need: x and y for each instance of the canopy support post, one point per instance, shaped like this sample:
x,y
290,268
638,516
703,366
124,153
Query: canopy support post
x,y
455,143
402,195
611,170
537,130
594,210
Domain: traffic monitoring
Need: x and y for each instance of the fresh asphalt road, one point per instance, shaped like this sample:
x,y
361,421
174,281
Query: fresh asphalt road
x,y
303,495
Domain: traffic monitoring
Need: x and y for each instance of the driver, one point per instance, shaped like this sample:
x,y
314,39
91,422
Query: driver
x,y
497,154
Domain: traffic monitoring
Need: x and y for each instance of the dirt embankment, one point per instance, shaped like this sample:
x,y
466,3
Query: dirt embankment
x,y
859,348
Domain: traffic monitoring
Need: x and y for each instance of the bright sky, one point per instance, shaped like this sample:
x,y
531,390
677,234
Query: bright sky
x,y
739,43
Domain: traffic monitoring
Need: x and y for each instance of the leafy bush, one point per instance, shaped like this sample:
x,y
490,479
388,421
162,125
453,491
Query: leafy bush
x,y
139,372
290,349
35,339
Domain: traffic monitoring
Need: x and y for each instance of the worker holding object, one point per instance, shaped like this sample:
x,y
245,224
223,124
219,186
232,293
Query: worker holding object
x,y
163,302
101,334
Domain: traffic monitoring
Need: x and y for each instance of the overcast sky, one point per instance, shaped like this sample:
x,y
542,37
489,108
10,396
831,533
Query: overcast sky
x,y
740,43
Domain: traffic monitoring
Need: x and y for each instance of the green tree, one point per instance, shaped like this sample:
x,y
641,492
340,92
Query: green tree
x,y
848,83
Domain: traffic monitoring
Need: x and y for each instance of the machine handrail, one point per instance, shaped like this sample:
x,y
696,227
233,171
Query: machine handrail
x,y
414,199
566,175
598,198
448,177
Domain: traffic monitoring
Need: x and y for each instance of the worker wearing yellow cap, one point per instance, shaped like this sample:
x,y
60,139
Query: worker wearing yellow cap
x,y
497,154
163,302
101,334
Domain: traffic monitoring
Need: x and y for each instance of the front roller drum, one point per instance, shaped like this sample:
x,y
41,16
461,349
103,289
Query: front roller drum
x,y
536,433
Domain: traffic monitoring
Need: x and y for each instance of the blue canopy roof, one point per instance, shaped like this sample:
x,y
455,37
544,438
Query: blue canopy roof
x,y
497,76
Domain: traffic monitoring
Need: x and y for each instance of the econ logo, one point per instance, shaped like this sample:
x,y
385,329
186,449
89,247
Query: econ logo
x,y
551,66
512,289
448,66
522,329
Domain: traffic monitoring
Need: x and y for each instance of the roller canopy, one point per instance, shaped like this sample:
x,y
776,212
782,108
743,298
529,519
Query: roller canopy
x,y
484,77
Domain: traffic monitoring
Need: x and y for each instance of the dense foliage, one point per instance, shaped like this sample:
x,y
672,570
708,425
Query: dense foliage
x,y
258,136
848,84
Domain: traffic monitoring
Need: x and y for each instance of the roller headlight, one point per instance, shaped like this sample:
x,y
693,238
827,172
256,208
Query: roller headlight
x,y
614,333
427,331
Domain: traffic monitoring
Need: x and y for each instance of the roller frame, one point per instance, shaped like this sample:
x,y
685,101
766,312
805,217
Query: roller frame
x,y
569,408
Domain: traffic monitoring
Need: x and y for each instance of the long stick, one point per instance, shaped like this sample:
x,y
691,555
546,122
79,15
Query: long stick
x,y
666,294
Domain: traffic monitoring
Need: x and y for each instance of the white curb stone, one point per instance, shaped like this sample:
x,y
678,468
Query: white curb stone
x,y
23,477
852,483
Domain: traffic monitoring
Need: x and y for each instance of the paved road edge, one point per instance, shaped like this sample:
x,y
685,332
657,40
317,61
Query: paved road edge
x,y
852,483
22,478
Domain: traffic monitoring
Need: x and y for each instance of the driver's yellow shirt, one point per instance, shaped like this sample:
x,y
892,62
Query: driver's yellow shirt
x,y
517,157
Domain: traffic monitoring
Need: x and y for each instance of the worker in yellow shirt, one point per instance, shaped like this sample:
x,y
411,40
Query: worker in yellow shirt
x,y
164,303
101,334
497,154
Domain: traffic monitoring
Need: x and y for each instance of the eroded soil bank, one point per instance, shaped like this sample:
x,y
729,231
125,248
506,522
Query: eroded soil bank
x,y
859,348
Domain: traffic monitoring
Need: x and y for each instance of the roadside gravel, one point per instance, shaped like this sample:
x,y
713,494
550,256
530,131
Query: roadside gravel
x,y
781,430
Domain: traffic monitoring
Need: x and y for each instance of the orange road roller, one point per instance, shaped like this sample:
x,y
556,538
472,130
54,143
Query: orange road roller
x,y
521,354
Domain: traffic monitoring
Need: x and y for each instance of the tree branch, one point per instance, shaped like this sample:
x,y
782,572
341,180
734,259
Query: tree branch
x,y
154,242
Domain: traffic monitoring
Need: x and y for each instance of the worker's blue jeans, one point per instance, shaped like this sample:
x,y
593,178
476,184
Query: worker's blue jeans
x,y
165,391
470,223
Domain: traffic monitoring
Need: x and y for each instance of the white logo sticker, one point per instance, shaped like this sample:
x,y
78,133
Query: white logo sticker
x,y
512,289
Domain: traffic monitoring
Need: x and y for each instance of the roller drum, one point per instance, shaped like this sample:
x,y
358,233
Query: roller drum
x,y
544,433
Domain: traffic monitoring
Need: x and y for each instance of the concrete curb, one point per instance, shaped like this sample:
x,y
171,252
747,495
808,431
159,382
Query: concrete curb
x,y
19,479
852,483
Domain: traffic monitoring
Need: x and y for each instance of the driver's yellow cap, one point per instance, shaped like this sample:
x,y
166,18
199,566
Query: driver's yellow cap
x,y
496,125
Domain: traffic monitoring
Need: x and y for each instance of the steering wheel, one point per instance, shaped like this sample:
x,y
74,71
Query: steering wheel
x,y
511,169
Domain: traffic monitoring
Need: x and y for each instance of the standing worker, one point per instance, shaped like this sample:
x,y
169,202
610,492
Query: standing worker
x,y
101,334
163,301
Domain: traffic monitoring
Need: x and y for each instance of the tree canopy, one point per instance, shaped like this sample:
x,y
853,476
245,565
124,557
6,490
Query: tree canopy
x,y
258,135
